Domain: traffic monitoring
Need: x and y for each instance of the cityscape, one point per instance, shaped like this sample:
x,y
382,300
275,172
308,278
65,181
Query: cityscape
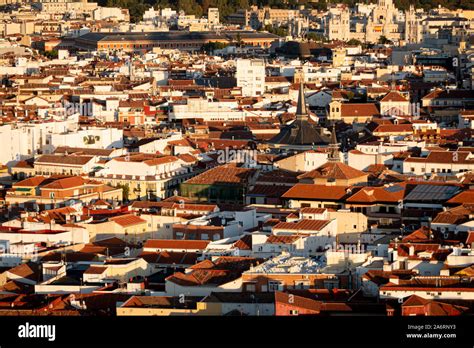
x,y
230,158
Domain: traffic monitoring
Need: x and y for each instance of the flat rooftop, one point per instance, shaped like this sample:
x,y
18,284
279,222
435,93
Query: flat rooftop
x,y
289,264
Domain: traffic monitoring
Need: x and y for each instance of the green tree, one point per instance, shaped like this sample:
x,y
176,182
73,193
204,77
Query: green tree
x,y
384,41
136,8
354,42
125,191
280,31
212,46
51,54
190,7
311,36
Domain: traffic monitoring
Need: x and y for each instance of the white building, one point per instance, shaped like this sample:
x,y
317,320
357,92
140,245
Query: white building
x,y
93,137
110,13
250,76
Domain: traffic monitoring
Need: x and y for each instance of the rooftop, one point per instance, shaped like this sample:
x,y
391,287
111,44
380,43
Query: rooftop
x,y
288,264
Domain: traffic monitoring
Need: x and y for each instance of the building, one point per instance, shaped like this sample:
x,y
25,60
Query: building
x,y
250,76
366,23
187,41
287,272
39,192
300,135
150,176
222,275
227,183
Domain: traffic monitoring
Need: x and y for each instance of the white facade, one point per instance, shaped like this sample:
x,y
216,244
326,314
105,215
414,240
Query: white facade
x,y
250,76
75,236
173,289
102,138
23,140
107,13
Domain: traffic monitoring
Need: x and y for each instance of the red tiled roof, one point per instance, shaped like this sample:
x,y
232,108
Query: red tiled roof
x,y
95,270
334,170
394,97
176,244
64,159
394,128
70,182
456,215
244,243
421,235
30,182
316,192
359,110
273,239
127,220
298,301
302,225
385,194
458,157
227,174
221,271
434,308
170,257
312,210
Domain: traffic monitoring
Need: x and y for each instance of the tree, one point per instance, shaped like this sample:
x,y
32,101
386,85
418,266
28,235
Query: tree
x,y
311,36
238,39
161,4
280,31
354,42
212,46
136,8
125,191
190,7
53,54
384,41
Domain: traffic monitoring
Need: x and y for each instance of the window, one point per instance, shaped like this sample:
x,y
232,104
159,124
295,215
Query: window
x,y
301,284
274,286
250,287
293,312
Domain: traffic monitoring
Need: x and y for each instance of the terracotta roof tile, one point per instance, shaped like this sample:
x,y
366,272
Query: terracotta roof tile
x,y
169,244
316,192
128,220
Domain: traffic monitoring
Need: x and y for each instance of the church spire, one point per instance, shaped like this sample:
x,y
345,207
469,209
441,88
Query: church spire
x,y
334,147
301,111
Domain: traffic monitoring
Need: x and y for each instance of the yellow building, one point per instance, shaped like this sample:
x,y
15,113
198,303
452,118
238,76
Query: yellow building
x,y
167,306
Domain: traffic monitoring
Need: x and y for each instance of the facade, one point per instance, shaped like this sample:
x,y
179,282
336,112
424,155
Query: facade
x,y
250,76
191,41
368,25
224,184
151,176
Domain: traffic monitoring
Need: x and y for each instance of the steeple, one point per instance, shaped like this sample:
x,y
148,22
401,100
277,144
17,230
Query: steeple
x,y
333,147
301,111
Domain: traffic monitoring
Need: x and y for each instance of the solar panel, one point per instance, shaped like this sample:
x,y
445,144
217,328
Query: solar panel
x,y
393,189
431,193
